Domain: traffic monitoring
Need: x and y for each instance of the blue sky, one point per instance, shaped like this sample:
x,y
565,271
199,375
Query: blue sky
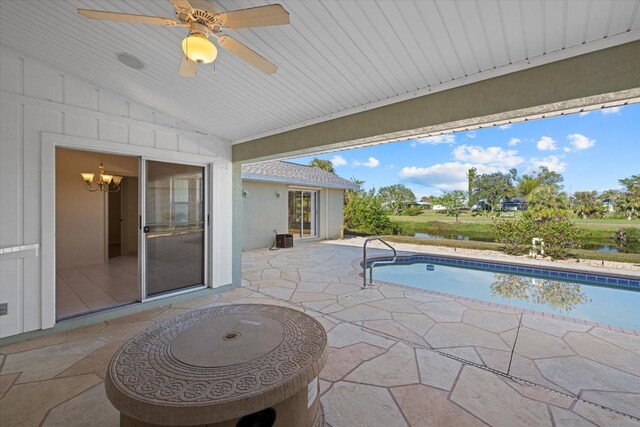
x,y
591,150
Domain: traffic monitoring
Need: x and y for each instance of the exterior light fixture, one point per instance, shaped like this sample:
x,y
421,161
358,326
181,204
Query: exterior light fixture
x,y
102,182
198,48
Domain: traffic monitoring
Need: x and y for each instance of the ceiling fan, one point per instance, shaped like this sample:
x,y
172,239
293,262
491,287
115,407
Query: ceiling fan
x,y
204,21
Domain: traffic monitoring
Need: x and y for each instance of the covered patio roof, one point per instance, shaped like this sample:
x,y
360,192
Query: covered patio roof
x,y
339,62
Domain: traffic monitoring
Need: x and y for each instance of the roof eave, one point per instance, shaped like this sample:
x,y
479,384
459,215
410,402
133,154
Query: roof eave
x,y
294,181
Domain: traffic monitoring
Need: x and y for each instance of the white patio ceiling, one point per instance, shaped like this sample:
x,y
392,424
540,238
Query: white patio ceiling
x,y
335,58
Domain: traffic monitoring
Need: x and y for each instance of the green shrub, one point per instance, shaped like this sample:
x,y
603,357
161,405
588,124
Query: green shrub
x,y
628,240
515,235
364,211
412,211
559,237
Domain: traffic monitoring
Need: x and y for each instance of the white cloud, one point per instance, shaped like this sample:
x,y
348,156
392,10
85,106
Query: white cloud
x,y
579,142
546,143
448,138
514,141
443,176
584,113
471,134
611,110
553,163
504,127
371,162
338,161
494,156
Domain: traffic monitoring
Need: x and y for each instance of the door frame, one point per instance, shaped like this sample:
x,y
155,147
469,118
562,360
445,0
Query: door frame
x,y
49,142
316,210
142,215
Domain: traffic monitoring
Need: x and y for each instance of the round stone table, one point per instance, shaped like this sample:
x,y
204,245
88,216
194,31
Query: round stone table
x,y
225,366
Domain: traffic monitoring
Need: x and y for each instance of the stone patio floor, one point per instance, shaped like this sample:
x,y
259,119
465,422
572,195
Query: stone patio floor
x,y
398,356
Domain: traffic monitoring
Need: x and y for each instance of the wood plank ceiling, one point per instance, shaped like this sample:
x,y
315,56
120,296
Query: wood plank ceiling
x,y
335,58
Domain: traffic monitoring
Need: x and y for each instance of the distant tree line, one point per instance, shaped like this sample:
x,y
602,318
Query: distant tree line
x,y
548,216
497,187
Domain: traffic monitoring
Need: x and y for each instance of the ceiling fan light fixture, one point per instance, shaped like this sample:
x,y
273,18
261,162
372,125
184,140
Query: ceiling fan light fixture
x,y
199,48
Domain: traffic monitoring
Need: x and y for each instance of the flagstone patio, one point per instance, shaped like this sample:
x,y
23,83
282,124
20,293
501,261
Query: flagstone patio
x,y
398,356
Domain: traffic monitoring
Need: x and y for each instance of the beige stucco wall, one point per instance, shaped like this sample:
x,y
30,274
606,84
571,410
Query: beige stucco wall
x,y
334,215
263,211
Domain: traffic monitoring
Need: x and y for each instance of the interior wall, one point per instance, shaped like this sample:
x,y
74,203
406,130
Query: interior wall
x,y
129,212
114,220
80,214
36,99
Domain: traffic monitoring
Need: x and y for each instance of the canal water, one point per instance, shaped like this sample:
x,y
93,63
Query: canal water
x,y
599,247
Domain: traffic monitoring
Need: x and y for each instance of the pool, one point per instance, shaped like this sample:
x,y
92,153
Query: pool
x,y
613,301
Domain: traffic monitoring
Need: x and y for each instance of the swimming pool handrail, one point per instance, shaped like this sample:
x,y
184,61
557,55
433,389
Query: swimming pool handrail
x,y
373,263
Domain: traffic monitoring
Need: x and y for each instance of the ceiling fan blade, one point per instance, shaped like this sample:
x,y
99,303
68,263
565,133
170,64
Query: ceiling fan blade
x,y
181,4
188,68
126,17
262,16
247,55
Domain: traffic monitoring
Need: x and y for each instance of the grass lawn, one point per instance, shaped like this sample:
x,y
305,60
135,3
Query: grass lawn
x,y
478,229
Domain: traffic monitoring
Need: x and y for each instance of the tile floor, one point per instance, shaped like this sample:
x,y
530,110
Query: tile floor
x,y
398,356
83,289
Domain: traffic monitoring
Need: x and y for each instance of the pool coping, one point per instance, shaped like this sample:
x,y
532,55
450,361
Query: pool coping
x,y
357,266
622,280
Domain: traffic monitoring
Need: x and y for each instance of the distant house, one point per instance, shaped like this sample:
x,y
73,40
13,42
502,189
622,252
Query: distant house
x,y
286,197
481,205
608,203
514,204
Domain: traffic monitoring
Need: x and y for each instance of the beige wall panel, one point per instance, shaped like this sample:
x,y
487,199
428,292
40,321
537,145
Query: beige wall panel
x,y
335,213
263,212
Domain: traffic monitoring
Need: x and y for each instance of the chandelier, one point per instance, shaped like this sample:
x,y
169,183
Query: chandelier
x,y
101,182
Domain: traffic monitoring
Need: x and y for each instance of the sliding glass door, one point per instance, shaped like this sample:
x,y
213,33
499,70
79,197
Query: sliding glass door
x,y
302,213
174,227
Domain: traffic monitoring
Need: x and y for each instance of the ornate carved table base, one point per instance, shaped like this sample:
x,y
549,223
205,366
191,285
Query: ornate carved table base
x,y
243,365
287,407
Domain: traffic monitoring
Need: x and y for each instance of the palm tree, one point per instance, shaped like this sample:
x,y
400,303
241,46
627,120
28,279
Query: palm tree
x,y
471,176
322,164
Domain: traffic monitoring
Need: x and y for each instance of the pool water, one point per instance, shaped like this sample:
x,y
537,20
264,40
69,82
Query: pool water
x,y
612,306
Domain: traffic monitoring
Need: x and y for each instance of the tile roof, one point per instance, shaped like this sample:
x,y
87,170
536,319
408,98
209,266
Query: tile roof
x,y
293,173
